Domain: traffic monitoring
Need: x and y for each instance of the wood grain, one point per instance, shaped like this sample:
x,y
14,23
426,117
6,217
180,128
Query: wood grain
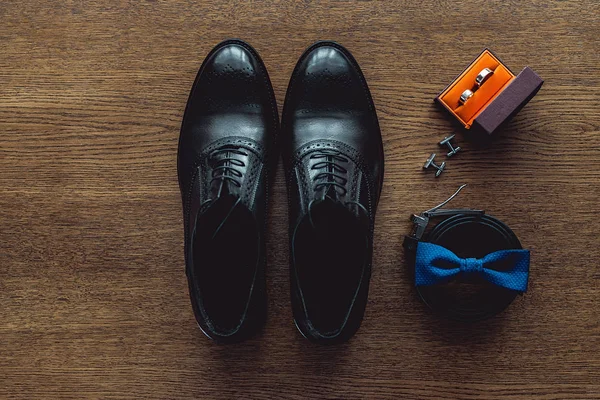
x,y
93,295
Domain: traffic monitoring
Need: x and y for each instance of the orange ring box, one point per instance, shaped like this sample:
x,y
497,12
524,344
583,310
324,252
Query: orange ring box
x,y
496,101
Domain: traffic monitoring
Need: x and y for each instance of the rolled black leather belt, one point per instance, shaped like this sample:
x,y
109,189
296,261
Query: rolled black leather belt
x,y
468,234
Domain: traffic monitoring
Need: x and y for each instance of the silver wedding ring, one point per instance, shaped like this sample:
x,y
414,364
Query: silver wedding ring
x,y
483,76
466,95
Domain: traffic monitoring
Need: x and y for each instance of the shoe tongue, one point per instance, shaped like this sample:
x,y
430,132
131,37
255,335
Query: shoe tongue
x,y
328,203
214,216
223,188
331,193
329,216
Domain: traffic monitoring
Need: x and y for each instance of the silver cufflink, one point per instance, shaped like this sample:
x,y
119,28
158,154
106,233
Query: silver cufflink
x,y
448,142
466,95
483,76
431,163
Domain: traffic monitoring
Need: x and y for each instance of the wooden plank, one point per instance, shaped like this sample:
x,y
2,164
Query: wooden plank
x,y
93,295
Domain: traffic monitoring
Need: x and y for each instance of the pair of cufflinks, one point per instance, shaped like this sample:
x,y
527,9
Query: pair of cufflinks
x,y
480,79
447,141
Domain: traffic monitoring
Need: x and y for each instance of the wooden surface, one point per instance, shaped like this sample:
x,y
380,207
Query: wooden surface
x,y
93,295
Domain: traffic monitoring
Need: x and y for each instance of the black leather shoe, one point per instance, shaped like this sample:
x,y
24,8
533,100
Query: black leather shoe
x,y
333,156
225,160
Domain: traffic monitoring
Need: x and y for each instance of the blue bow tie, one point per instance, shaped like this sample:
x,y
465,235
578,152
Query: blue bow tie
x,y
435,264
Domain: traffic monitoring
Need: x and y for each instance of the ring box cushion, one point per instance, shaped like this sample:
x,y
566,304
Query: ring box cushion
x,y
497,100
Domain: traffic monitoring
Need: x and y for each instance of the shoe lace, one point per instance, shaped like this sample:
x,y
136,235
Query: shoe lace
x,y
225,169
333,176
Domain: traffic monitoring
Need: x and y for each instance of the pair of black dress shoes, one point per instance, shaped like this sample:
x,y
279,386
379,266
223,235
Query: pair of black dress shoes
x,y
333,156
